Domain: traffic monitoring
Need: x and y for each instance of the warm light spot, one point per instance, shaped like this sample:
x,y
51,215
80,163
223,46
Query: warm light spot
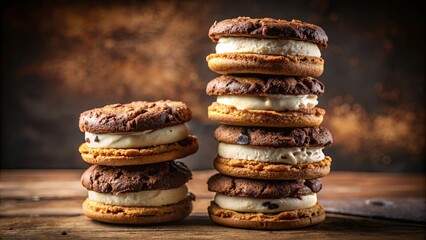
x,y
393,129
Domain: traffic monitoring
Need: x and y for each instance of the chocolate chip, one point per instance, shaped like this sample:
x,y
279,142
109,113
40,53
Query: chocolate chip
x,y
63,233
270,205
314,184
96,139
88,140
243,138
253,88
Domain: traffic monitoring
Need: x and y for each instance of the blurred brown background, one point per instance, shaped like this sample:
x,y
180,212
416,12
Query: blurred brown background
x,y
60,58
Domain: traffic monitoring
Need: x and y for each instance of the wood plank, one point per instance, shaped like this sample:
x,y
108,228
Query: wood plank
x,y
50,184
41,184
350,185
42,193
408,209
55,184
200,227
47,203
59,207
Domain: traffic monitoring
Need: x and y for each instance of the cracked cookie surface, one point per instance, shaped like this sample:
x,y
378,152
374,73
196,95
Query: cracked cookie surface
x,y
116,180
254,188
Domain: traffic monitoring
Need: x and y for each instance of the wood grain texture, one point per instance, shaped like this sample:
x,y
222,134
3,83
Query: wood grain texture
x,y
44,204
338,185
200,227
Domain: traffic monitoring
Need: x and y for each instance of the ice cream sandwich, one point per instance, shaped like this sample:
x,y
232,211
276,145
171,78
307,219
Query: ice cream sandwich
x,y
273,153
267,46
136,133
142,194
266,101
264,204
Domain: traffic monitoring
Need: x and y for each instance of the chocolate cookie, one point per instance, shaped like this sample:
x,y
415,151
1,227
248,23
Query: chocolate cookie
x,y
117,180
274,137
134,117
243,187
231,115
268,28
264,84
286,58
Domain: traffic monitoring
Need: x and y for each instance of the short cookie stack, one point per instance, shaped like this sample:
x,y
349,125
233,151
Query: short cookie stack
x,y
134,179
270,146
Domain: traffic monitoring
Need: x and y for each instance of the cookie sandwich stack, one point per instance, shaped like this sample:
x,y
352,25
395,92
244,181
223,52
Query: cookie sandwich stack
x,y
270,150
134,178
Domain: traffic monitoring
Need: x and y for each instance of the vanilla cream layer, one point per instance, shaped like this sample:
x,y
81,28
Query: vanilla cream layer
x,y
137,139
263,205
151,198
267,46
276,102
293,156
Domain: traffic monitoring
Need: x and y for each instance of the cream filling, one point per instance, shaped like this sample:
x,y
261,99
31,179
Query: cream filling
x,y
263,205
275,102
137,139
293,156
267,46
151,198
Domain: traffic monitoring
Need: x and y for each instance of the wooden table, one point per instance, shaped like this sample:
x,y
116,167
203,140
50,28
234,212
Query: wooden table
x,y
46,204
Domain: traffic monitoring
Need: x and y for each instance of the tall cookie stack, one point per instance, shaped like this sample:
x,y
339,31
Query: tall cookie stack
x,y
270,146
134,179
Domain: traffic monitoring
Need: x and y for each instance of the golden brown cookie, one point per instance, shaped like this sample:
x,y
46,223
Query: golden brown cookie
x,y
138,215
147,155
272,171
263,118
282,220
238,63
